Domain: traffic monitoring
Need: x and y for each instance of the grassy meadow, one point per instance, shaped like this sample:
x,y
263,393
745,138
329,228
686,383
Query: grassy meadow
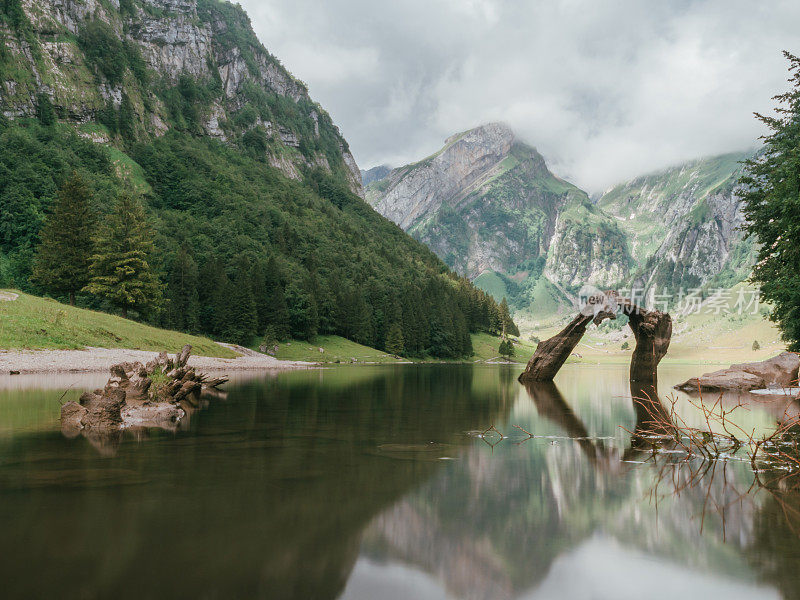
x,y
33,323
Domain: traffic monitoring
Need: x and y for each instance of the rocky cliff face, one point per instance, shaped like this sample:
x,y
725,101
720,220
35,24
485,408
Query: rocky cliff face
x,y
89,57
487,202
684,224
417,191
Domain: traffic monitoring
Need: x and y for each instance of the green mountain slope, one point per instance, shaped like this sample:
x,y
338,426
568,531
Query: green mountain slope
x,y
683,225
239,169
32,323
150,66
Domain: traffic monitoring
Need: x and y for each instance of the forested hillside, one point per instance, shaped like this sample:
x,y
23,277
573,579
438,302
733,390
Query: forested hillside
x,y
170,116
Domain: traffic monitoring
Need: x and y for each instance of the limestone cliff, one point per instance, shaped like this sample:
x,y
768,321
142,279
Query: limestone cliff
x,y
187,64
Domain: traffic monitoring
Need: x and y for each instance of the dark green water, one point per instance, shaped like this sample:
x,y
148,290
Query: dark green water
x,y
366,483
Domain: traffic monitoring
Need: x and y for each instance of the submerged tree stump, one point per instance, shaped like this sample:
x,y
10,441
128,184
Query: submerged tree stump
x,y
652,330
551,354
158,394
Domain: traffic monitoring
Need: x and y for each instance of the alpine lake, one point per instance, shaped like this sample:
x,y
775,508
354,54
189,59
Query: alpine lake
x,y
389,482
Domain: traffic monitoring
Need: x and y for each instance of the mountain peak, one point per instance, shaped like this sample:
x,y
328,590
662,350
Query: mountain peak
x,y
494,134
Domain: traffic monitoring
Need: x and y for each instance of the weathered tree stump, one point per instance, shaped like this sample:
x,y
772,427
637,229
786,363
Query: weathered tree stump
x,y
158,394
551,354
652,330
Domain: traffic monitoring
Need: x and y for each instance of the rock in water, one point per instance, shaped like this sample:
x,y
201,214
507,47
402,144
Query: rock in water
x,y
779,371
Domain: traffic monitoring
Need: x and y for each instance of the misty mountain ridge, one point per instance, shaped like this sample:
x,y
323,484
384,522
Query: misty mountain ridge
x,y
488,205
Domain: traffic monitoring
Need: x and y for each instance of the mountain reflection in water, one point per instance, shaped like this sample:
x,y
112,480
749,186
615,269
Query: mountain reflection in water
x,y
375,483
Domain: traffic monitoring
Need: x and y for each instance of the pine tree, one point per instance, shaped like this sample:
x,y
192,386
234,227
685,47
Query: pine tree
x,y
182,284
278,314
303,317
212,296
120,272
108,116
258,286
241,317
394,340
61,264
506,322
127,118
20,218
771,195
363,320
495,318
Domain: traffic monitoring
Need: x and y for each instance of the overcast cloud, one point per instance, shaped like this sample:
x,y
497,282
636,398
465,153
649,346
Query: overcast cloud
x,y
605,90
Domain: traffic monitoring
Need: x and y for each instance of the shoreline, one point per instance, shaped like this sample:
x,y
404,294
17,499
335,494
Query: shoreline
x,y
97,360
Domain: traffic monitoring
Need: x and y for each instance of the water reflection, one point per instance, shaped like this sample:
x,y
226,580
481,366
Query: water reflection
x,y
371,483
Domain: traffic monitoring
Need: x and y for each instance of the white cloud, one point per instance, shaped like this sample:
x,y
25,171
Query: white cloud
x,y
604,90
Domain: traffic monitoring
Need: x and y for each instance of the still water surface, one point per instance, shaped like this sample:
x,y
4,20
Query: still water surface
x,y
376,483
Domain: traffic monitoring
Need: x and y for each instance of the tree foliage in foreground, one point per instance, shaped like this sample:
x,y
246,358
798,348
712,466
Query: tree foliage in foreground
x,y
61,264
771,194
120,271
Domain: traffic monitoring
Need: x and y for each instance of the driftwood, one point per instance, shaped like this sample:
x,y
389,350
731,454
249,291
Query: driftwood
x,y
651,328
158,394
551,354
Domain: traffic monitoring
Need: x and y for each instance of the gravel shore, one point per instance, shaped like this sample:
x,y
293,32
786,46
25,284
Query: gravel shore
x,y
92,360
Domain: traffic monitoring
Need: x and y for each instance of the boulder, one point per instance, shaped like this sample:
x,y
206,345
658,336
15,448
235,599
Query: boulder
x,y
780,371
719,381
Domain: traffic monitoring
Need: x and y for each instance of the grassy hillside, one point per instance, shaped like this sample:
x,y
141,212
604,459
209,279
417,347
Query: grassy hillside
x,y
491,283
33,323
335,350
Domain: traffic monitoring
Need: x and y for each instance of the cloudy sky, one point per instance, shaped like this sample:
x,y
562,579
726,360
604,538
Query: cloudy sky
x,y
605,90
